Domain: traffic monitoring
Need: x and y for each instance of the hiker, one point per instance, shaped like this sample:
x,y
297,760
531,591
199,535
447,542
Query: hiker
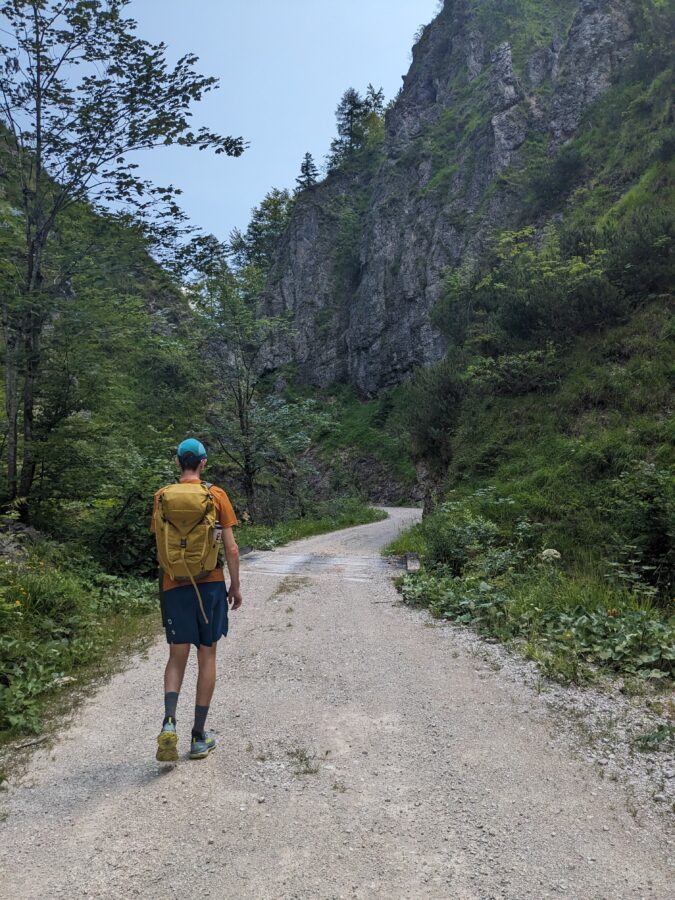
x,y
190,521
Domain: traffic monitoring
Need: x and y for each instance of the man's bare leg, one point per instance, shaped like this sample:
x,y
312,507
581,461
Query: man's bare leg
x,y
175,667
206,682
173,680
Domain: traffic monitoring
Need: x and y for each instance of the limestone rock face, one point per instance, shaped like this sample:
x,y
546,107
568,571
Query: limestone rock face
x,y
368,250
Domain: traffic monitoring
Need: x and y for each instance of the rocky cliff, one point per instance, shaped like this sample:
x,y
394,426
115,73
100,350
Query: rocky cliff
x,y
495,87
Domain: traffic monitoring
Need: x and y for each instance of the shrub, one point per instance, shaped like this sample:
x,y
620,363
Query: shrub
x,y
529,292
561,617
497,578
516,373
433,404
120,539
641,507
454,535
640,250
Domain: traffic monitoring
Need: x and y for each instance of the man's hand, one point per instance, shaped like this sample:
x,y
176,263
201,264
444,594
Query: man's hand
x,y
232,558
235,598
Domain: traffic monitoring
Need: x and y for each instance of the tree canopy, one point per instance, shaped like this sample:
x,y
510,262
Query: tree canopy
x,y
80,93
358,119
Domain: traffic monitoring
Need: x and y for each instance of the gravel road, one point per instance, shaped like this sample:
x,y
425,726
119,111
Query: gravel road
x,y
361,755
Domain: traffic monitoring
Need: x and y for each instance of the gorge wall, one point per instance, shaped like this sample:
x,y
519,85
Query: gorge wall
x,y
495,88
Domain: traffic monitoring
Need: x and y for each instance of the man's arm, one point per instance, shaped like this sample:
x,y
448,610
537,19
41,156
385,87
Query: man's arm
x,y
232,559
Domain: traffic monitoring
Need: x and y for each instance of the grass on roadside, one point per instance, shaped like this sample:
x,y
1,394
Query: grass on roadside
x,y
63,622
411,540
330,517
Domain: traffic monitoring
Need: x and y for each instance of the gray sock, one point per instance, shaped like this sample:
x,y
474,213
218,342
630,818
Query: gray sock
x,y
170,704
201,712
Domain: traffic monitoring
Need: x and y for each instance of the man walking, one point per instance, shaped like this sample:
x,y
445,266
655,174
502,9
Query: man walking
x,y
189,521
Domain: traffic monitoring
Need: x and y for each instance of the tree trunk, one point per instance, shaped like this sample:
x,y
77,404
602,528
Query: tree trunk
x,y
292,482
11,406
431,487
32,350
249,493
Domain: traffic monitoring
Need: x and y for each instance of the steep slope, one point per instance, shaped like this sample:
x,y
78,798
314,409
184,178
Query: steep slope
x,y
495,90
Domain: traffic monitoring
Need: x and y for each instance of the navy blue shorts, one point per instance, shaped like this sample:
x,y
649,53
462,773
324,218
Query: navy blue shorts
x,y
183,619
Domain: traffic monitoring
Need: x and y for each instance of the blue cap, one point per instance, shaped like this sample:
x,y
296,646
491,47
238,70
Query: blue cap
x,y
193,446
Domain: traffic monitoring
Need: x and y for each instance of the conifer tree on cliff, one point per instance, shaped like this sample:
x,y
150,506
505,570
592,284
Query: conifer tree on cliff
x,y
349,115
357,118
309,173
374,101
79,93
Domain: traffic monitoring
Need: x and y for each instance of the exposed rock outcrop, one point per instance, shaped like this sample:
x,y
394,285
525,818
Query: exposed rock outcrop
x,y
463,117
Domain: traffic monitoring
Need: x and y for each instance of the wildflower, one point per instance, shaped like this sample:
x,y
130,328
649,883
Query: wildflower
x,y
17,603
613,612
550,555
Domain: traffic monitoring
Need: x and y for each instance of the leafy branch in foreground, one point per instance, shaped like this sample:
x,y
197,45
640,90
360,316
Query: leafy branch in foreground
x,y
80,93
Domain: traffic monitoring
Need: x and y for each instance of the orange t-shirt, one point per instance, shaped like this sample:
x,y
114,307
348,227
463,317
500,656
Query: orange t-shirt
x,y
227,519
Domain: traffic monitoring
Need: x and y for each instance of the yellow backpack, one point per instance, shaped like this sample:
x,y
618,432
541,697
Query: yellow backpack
x,y
185,531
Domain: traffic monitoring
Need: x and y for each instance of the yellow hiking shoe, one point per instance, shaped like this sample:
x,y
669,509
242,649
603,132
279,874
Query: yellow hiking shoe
x,y
167,741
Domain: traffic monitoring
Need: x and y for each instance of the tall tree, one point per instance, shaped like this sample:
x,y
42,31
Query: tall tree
x,y
80,92
349,117
234,343
257,245
358,118
262,436
309,173
375,100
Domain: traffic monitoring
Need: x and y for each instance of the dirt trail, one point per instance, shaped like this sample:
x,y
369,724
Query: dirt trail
x,y
361,755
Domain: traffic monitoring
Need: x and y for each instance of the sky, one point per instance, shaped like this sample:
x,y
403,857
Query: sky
x,y
283,66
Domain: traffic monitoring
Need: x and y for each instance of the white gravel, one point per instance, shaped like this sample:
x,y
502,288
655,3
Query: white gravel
x,y
434,773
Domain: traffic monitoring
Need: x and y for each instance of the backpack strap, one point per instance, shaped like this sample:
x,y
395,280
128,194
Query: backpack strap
x,y
194,583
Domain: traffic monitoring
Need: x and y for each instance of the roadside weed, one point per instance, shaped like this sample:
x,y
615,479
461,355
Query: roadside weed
x,y
306,763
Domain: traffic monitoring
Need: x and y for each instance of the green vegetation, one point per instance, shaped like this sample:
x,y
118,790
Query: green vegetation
x,y
491,572
360,129
589,458
62,617
661,739
526,24
368,430
330,516
549,424
449,143
580,463
309,174
254,249
98,365
305,761
81,92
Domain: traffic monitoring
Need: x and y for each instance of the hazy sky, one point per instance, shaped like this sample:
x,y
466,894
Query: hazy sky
x,y
283,65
